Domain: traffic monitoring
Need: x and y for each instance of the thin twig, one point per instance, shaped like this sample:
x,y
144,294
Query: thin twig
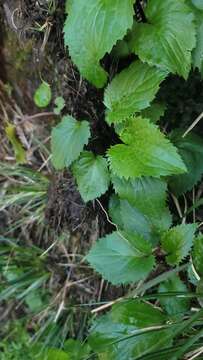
x,y
193,125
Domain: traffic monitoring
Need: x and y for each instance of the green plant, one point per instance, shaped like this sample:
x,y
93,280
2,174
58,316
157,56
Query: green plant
x,y
166,39
25,191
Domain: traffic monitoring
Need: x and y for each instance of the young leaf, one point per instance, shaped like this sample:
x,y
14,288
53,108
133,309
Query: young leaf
x,y
197,255
19,151
132,90
191,150
67,141
177,242
174,304
145,152
42,96
168,38
118,336
148,195
59,105
91,29
122,258
91,173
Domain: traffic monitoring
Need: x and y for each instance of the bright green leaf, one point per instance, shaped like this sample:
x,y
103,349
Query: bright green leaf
x,y
132,90
67,141
173,303
148,195
177,242
122,257
191,150
197,255
145,152
92,175
20,153
168,38
91,29
42,96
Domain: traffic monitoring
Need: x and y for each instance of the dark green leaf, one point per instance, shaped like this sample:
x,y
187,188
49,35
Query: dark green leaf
x,y
191,150
197,255
154,112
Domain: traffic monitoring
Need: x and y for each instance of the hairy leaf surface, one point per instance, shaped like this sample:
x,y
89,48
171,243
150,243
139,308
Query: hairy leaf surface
x,y
132,90
91,173
67,141
177,242
122,257
91,29
168,38
145,152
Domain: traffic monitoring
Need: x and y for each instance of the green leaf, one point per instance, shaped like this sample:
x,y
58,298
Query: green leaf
x,y
138,314
191,150
131,91
177,242
75,350
122,258
91,173
42,96
145,152
147,195
197,8
91,30
198,4
154,112
128,218
168,38
197,255
134,221
67,141
59,105
174,304
20,153
118,335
